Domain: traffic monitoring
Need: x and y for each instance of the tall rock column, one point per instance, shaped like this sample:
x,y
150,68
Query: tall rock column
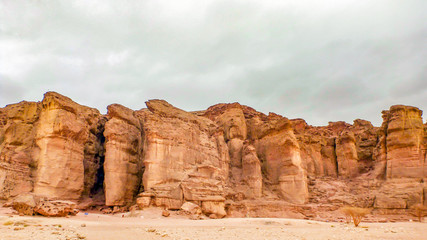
x,y
251,171
185,157
245,167
278,148
404,143
347,155
123,150
62,132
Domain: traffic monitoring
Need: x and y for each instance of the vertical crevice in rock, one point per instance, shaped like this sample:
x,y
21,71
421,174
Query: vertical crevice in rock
x,y
385,147
94,158
98,187
335,158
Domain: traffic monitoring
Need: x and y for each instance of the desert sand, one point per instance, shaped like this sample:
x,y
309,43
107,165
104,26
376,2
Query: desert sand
x,y
149,224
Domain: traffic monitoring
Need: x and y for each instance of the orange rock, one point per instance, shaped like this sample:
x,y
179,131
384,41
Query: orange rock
x,y
227,157
123,156
185,156
17,148
404,143
63,130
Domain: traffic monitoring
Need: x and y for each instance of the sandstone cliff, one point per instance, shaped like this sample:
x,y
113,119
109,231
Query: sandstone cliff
x,y
229,159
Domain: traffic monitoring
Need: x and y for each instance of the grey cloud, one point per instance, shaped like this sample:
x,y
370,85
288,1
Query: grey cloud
x,y
319,61
10,90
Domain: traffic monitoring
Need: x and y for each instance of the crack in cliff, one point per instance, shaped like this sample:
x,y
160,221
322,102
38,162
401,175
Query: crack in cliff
x,y
98,187
335,157
385,147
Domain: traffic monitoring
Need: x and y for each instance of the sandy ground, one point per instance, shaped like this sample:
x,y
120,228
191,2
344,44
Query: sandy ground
x,y
150,224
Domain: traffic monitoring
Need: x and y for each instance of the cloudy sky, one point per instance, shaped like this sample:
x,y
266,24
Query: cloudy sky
x,y
318,60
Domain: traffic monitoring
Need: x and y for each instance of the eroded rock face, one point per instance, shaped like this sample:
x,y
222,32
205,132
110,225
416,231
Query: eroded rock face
x,y
347,158
279,151
339,149
62,133
123,156
185,156
229,157
318,148
404,143
260,143
17,148
251,172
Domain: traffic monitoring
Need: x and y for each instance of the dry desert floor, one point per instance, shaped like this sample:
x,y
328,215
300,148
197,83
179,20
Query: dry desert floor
x,y
150,224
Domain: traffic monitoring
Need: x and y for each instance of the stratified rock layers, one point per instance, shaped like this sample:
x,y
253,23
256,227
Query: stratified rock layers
x,y
228,159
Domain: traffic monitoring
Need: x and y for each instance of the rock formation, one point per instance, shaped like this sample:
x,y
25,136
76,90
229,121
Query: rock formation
x,y
123,155
17,148
228,160
406,151
62,133
185,158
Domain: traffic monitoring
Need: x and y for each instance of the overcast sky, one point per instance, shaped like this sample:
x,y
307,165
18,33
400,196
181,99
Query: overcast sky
x,y
318,60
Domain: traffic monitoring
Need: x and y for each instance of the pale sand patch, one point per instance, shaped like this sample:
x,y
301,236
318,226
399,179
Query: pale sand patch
x,y
152,225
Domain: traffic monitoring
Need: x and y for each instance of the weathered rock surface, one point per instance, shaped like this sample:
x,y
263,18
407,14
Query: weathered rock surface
x,y
25,203
251,172
62,133
404,142
31,204
227,160
185,156
56,208
17,148
123,156
191,208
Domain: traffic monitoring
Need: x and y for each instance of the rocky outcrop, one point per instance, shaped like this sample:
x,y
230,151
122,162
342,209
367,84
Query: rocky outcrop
x,y
40,140
227,160
123,156
404,143
185,158
270,146
62,133
18,150
251,172
318,148
347,159
245,167
279,151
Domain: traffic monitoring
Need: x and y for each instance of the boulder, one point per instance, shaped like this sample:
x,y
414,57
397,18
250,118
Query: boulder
x,y
191,208
25,203
56,208
214,207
